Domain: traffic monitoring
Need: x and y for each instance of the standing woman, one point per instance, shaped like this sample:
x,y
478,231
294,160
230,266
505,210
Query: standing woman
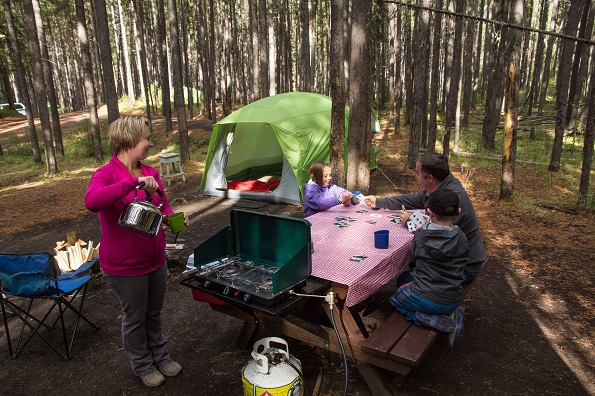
x,y
134,264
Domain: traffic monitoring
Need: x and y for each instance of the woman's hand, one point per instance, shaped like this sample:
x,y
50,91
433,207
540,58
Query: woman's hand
x,y
150,185
371,201
186,220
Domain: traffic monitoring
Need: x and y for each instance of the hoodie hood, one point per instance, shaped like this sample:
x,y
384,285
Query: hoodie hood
x,y
441,242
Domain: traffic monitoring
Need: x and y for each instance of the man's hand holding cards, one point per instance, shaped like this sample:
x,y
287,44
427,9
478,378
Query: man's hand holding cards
x,y
417,220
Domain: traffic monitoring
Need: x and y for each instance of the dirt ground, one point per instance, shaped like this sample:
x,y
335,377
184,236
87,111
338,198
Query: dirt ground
x,y
529,322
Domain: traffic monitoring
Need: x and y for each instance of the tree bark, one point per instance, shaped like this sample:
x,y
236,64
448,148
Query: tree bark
x,y
579,67
22,82
140,16
469,64
337,139
435,80
178,83
51,165
126,55
548,58
512,101
455,76
583,190
49,80
420,94
88,76
263,54
563,81
105,50
494,84
360,131
164,68
538,60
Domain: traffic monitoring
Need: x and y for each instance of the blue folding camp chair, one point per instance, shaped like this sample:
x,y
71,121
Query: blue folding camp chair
x,y
25,278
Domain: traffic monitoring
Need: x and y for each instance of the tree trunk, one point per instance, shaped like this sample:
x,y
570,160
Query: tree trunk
x,y
337,55
140,16
304,65
88,76
360,131
254,73
178,84
563,81
494,85
538,60
392,60
212,81
409,69
51,165
469,64
455,76
435,80
420,94
579,67
49,80
477,70
164,68
399,80
126,55
583,190
109,82
22,81
548,58
263,54
512,98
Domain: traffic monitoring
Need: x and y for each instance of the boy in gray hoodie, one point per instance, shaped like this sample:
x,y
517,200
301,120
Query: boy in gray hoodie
x,y
431,292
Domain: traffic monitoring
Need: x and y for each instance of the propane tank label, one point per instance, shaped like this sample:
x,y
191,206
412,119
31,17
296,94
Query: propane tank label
x,y
293,389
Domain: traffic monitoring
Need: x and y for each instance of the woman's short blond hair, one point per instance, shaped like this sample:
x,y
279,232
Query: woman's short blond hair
x,y
126,132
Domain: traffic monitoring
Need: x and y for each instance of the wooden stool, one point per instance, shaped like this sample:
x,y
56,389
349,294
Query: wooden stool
x,y
172,159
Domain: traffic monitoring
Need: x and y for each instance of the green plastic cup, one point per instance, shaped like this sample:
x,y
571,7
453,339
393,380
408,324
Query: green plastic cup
x,y
176,222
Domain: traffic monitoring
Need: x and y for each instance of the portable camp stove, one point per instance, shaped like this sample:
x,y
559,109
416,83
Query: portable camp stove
x,y
242,279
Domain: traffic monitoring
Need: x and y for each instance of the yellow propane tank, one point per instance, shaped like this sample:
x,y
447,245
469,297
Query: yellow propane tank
x,y
273,371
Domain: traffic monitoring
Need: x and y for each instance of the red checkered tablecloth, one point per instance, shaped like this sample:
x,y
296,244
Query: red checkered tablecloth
x,y
334,246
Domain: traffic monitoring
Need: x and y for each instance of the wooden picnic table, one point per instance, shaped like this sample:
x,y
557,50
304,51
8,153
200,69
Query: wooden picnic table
x,y
341,236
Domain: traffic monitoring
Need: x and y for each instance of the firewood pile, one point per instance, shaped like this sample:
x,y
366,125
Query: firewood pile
x,y
74,252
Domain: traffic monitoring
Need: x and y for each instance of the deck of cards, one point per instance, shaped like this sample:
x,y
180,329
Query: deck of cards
x,y
417,220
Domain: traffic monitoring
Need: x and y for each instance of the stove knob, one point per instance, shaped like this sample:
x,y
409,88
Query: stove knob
x,y
247,297
206,284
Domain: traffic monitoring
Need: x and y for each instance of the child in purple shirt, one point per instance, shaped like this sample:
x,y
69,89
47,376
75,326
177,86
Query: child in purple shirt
x,y
319,193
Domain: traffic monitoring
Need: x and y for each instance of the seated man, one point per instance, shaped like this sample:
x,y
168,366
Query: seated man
x,y
434,174
433,288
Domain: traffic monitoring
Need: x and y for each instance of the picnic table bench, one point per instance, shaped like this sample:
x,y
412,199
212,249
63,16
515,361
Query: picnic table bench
x,y
400,340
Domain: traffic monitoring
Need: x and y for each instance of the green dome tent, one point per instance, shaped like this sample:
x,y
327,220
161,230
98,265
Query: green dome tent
x,y
263,150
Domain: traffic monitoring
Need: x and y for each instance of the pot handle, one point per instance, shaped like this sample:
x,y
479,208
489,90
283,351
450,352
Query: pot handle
x,y
149,199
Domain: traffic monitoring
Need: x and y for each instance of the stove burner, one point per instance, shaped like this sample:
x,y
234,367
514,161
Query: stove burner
x,y
242,279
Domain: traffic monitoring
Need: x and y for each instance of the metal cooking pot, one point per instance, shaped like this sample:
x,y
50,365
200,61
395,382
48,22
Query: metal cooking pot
x,y
143,217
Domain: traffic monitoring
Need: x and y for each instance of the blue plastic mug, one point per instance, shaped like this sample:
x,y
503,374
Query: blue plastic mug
x,y
381,239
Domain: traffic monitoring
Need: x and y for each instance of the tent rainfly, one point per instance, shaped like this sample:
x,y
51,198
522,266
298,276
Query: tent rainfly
x,y
263,150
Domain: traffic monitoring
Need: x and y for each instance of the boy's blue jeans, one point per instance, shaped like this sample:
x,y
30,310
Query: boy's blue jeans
x,y
408,303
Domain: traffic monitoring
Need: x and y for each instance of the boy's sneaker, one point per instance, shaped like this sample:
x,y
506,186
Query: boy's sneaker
x,y
442,323
153,379
170,369
457,333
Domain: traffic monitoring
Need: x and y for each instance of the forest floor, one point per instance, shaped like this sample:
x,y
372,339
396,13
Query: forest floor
x,y
529,321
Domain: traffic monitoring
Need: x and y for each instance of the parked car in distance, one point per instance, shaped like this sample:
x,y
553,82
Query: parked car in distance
x,y
19,107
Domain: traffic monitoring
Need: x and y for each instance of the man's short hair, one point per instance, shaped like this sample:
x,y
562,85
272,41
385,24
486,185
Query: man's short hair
x,y
317,171
434,164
